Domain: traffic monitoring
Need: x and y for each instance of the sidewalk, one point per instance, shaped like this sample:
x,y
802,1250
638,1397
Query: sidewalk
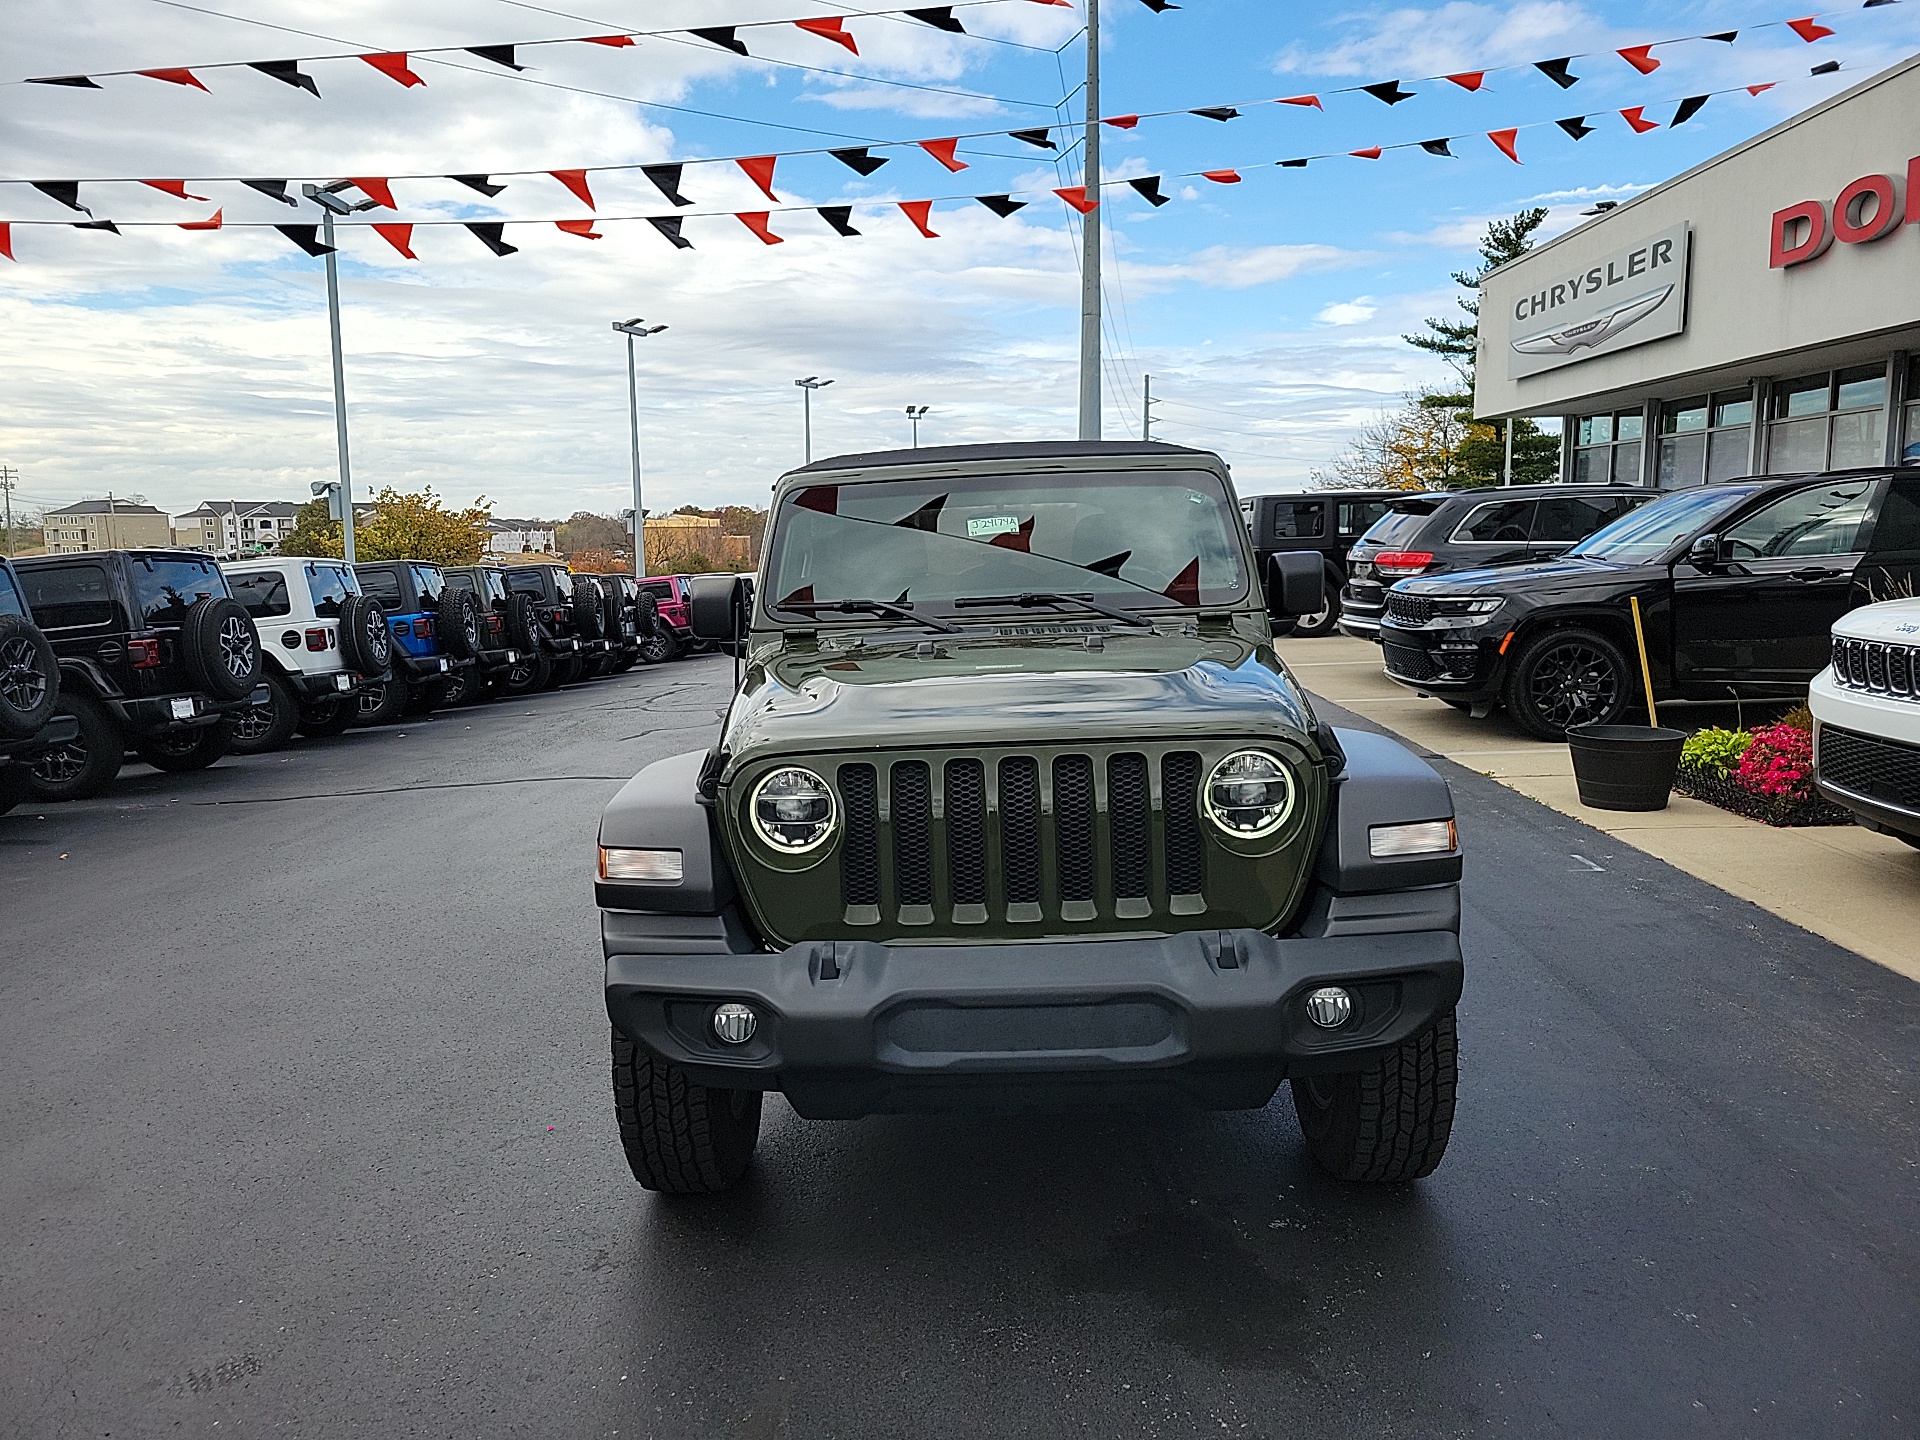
x,y
1849,885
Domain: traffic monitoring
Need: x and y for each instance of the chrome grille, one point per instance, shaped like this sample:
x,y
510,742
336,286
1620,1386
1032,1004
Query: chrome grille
x,y
1878,666
1409,609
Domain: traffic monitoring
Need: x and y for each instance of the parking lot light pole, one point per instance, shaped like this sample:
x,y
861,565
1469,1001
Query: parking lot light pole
x,y
634,329
327,197
916,413
807,387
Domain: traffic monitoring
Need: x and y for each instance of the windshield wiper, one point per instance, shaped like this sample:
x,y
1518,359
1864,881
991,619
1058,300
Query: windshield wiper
x,y
1033,599
868,607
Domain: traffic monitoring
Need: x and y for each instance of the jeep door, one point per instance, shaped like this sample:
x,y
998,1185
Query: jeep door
x,y
1758,618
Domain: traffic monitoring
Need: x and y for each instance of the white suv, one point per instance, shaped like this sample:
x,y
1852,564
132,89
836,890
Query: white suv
x,y
321,641
1866,719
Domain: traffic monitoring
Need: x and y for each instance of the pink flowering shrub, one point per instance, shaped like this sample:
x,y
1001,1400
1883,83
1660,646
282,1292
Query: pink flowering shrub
x,y
1778,763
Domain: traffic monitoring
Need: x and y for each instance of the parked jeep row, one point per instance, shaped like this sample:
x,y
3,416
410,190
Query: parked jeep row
x,y
166,656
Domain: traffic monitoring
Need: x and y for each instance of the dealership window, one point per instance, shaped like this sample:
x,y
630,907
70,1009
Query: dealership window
x,y
1834,421
1607,449
1910,435
1704,438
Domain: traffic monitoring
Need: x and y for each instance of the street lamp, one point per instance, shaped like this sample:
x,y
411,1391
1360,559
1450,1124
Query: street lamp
x,y
327,197
808,386
636,328
914,414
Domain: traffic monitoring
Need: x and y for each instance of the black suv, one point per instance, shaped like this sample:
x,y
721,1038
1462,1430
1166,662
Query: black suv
x,y
29,692
436,630
573,622
1738,583
155,654
1327,522
509,633
1439,532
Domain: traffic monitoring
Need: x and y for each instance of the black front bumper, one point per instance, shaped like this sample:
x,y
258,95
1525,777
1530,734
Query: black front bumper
x,y
1362,604
854,1028
1458,662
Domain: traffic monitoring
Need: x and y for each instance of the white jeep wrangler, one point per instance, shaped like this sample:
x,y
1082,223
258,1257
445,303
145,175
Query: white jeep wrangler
x,y
321,641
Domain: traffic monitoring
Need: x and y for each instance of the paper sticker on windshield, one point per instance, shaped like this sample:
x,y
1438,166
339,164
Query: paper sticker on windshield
x,y
986,526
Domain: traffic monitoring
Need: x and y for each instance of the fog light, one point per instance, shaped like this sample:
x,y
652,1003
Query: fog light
x,y
735,1024
1329,1008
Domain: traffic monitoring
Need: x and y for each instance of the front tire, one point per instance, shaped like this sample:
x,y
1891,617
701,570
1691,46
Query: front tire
x,y
260,728
180,753
1565,678
1389,1122
86,765
329,716
381,702
680,1138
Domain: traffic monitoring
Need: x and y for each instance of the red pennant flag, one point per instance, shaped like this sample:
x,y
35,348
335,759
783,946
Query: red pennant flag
x,y
1065,4
1185,589
942,150
1638,121
1469,79
918,211
1809,29
394,67
756,221
618,42
1121,122
1640,57
175,188
1505,140
187,77
376,191
834,28
1756,89
1077,197
1021,539
1221,177
1372,152
576,181
583,228
759,169
1313,100
212,222
400,237
6,239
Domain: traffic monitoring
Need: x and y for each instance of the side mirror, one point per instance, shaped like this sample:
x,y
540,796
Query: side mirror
x,y
1704,552
716,607
1296,584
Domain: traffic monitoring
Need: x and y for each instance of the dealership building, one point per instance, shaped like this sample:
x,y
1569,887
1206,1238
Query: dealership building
x,y
1757,315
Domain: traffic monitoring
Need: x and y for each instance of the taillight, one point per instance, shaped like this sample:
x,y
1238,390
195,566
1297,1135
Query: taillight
x,y
317,639
423,629
1402,562
143,654
493,625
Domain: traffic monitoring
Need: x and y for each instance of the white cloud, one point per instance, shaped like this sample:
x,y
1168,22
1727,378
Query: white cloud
x,y
1348,312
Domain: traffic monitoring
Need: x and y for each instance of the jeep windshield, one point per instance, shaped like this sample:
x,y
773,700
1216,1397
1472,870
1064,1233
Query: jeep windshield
x,y
1150,539
1653,529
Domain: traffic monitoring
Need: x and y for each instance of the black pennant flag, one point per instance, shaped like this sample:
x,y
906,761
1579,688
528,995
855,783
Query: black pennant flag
x,y
723,36
78,82
107,225
857,159
1435,147
1827,69
1159,7
67,192
1689,107
307,237
273,190
1557,72
498,54
1003,205
941,18
666,179
287,72
1388,91
840,217
1038,138
669,226
1224,112
1727,37
489,233
478,182
1576,126
1149,188
1293,164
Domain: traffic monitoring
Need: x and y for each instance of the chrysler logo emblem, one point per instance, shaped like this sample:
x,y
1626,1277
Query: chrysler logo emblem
x,y
1589,334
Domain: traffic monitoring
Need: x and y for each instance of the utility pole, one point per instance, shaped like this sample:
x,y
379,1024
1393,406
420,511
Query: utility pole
x,y
1090,242
111,527
7,477
1146,408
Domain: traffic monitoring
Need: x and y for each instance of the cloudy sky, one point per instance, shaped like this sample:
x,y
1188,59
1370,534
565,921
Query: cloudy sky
x,y
193,365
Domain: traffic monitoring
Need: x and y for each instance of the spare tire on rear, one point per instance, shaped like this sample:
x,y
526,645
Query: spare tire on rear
x,y
589,618
365,641
222,648
523,626
457,623
613,604
29,678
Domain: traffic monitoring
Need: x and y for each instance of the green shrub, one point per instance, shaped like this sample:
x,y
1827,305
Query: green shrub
x,y
1715,751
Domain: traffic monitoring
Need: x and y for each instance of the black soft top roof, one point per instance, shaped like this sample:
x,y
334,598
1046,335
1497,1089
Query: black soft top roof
x,y
1002,450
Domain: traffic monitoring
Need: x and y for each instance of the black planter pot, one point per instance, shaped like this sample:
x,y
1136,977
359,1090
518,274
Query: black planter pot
x,y
1624,767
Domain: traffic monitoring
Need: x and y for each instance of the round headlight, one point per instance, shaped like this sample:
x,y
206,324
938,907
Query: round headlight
x,y
1249,794
793,810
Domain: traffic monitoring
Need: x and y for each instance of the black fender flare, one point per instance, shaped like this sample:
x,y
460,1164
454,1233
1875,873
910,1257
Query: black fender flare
x,y
661,809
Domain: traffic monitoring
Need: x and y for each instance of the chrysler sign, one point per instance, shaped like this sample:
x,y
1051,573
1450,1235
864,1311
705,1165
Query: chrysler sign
x,y
1635,294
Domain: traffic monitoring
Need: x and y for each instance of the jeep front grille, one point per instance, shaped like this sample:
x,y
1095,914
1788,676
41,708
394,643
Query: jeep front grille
x,y
1409,609
1869,766
1879,667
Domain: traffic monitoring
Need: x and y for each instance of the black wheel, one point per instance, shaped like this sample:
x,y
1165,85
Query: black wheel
x,y
523,626
462,686
332,715
222,648
680,1138
589,609
366,642
85,765
569,671
260,728
14,785
457,623
184,750
659,645
525,676
1566,677
29,678
381,702
1387,1122
425,697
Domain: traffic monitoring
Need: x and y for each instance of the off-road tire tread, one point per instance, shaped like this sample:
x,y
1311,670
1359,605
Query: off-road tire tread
x,y
1406,1105
671,1129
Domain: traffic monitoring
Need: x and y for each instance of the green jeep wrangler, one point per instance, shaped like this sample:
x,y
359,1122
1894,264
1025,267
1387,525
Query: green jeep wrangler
x,y
1016,805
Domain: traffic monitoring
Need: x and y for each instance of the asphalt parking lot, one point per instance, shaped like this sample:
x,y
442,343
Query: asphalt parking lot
x,y
308,1132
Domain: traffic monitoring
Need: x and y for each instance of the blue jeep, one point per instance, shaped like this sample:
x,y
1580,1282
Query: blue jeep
x,y
436,631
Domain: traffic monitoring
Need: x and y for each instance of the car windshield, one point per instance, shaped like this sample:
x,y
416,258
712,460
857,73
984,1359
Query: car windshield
x,y
1141,538
1653,529
10,601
